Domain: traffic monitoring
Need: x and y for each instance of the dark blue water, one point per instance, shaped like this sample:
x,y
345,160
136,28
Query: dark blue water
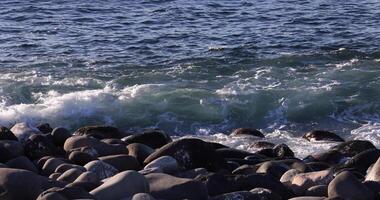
x,y
192,67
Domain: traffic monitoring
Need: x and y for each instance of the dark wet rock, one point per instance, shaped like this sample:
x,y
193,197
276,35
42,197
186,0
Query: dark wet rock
x,y
163,186
246,161
321,135
38,146
87,186
288,176
168,164
99,132
239,195
153,138
283,151
65,193
374,186
90,177
22,184
22,162
308,198
264,194
40,162
302,181
55,175
44,128
245,170
217,145
190,153
51,164
332,157
294,163
218,184
101,148
262,145
346,186
6,134
353,147
122,185
374,173
362,161
66,166
266,153
122,162
151,170
233,153
272,168
192,173
81,158
139,151
317,191
70,175
23,131
60,135
231,165
10,149
102,169
318,166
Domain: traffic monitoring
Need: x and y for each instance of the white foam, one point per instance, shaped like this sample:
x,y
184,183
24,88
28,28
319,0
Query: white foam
x,y
370,131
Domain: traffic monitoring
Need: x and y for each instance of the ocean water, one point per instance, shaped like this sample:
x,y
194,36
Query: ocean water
x,y
195,67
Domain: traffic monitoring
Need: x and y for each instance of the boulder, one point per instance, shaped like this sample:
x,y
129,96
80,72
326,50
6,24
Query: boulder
x,y
81,158
163,186
51,164
321,135
303,181
67,192
22,162
239,195
288,176
317,191
23,131
60,135
89,177
308,198
99,132
362,161
168,164
38,146
141,196
22,184
346,186
247,132
332,157
44,128
10,149
122,185
283,151
153,138
190,153
122,162
264,194
66,166
6,134
353,147
70,175
101,169
139,151
272,168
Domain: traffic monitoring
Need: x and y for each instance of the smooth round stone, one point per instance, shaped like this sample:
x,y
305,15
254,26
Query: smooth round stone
x,y
308,198
51,164
139,151
81,158
101,169
90,177
38,146
68,192
122,185
301,182
141,196
23,131
374,173
168,164
346,186
55,175
60,135
122,162
99,132
70,175
44,128
239,195
151,170
318,190
164,186
6,134
22,162
154,138
264,194
288,176
353,147
275,169
66,166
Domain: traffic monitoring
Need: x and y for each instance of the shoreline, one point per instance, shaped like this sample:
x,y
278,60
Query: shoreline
x,y
102,162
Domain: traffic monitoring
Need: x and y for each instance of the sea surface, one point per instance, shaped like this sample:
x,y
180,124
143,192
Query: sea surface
x,y
194,67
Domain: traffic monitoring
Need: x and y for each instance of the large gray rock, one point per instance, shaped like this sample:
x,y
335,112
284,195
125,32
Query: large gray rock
x,y
22,162
140,196
70,175
353,147
168,164
301,182
99,132
153,138
24,130
122,185
163,186
22,184
10,149
51,164
320,135
346,186
122,162
6,134
68,192
139,151
190,153
101,169
247,132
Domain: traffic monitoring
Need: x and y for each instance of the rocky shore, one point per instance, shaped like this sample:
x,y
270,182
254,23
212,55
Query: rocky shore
x,y
104,163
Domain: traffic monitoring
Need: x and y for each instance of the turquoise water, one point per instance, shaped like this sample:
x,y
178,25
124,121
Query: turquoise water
x,y
193,67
